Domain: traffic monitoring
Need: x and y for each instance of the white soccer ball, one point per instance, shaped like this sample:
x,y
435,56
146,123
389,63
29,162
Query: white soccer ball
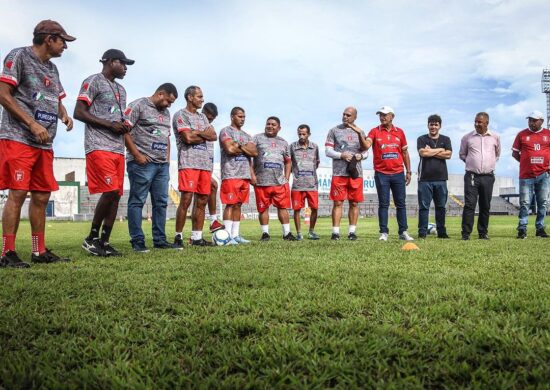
x,y
432,228
221,237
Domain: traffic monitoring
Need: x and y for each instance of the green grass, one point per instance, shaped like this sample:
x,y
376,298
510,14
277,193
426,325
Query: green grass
x,y
281,314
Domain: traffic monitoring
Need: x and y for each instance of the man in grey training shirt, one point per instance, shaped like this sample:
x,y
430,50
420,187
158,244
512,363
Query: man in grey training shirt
x,y
148,162
270,177
31,93
100,105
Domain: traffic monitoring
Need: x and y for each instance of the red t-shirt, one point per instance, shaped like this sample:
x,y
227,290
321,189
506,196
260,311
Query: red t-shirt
x,y
387,149
534,149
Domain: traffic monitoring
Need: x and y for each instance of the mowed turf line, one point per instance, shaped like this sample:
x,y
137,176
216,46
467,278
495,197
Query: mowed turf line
x,y
282,314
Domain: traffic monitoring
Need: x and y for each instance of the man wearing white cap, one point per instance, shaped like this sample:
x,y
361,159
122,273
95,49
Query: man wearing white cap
x,y
532,149
390,153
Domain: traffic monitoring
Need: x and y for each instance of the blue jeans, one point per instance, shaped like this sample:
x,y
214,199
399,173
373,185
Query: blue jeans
x,y
395,183
428,190
540,185
144,179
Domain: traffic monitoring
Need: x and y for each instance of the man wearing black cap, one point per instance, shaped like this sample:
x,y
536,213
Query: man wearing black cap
x,y
31,93
100,105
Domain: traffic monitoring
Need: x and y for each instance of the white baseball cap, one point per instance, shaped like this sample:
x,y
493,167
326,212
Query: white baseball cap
x,y
385,110
535,115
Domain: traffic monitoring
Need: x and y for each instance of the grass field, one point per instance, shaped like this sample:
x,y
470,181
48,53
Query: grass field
x,y
281,314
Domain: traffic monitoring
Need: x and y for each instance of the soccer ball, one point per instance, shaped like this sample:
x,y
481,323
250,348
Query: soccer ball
x,y
432,229
221,237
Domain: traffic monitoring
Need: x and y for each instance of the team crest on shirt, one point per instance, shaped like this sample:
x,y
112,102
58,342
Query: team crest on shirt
x,y
19,175
273,145
117,97
108,180
545,138
191,183
230,196
47,81
262,205
350,138
161,119
528,138
304,155
180,121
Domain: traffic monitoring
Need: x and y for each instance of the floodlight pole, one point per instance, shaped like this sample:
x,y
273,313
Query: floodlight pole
x,y
545,82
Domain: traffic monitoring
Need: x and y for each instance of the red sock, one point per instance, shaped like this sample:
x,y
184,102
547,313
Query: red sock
x,y
38,243
8,243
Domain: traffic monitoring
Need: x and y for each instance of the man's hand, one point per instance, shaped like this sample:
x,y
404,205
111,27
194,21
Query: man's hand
x,y
407,178
346,156
141,159
39,132
354,127
358,156
119,128
67,121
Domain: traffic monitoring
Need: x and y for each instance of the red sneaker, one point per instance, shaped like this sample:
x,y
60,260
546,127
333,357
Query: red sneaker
x,y
215,226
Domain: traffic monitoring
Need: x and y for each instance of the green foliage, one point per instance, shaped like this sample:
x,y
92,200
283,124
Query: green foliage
x,y
281,314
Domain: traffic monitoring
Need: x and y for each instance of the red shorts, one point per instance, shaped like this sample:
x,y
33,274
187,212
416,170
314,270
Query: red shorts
x,y
346,188
194,180
105,171
235,191
278,196
26,168
299,199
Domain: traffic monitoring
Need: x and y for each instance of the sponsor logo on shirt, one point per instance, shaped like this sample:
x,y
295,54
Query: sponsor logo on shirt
x,y
272,165
40,97
154,131
202,146
159,146
305,173
114,109
241,157
19,175
45,116
389,156
128,111
537,160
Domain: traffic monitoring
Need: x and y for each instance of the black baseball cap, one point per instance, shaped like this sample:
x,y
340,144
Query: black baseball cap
x,y
115,54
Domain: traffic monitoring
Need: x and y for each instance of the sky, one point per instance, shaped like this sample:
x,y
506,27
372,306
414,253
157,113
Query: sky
x,y
306,61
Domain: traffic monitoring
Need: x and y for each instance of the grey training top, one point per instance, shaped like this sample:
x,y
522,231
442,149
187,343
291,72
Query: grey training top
x,y
269,166
106,100
344,139
198,156
150,130
37,90
234,167
304,166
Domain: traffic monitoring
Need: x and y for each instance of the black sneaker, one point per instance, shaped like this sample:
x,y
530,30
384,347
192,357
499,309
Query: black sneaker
x,y
163,245
352,236
140,247
178,243
483,236
335,237
522,234
541,233
201,242
93,246
289,237
465,237
421,235
48,257
11,260
265,237
110,250
443,235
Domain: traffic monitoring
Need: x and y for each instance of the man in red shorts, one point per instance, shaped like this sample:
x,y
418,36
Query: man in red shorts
x,y
270,177
31,93
195,163
346,144
237,151
305,161
100,105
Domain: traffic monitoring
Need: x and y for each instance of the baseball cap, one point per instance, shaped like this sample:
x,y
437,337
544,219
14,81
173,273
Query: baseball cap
x,y
385,110
51,27
535,115
115,54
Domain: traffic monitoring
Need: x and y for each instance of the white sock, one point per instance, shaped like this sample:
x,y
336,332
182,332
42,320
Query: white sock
x,y
213,217
286,228
228,225
196,234
351,229
336,229
235,230
179,234
265,228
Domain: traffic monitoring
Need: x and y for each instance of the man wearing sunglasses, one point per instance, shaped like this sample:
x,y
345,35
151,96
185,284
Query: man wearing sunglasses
x,y
100,105
31,93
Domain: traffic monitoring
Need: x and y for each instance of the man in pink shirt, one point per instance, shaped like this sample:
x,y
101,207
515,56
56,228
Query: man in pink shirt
x,y
480,150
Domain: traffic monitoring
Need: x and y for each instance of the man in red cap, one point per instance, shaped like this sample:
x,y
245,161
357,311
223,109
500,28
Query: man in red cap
x,y
31,93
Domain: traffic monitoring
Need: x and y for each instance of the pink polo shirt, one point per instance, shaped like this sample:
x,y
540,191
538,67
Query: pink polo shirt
x,y
480,152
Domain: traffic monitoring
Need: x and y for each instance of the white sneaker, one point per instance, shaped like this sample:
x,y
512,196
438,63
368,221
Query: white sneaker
x,y
241,240
383,237
405,236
